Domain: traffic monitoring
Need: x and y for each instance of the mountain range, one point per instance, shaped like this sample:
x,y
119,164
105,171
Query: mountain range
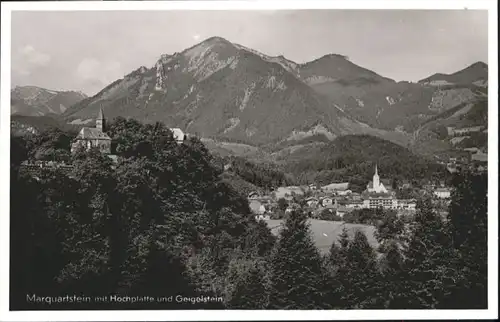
x,y
225,91
37,101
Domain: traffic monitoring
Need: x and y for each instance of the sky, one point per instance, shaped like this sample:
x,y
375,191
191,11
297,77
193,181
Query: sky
x,y
87,50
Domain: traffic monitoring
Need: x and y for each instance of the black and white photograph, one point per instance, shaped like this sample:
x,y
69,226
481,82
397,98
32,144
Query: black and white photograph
x,y
207,158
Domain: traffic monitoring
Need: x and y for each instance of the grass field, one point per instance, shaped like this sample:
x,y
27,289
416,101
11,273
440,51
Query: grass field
x,y
326,232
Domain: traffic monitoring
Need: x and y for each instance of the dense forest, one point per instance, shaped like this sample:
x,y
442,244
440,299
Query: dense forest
x,y
264,175
161,221
44,123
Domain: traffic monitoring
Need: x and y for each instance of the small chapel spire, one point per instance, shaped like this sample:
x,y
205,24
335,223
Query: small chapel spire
x,y
376,170
100,121
100,116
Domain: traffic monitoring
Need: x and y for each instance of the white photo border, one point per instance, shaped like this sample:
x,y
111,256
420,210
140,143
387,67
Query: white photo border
x,y
233,315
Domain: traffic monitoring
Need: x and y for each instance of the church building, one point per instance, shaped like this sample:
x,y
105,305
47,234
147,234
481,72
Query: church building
x,y
376,186
89,138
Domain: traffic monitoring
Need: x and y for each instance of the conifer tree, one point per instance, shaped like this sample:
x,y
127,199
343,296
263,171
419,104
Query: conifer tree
x,y
296,274
334,254
468,220
332,262
344,240
391,270
360,274
338,269
432,269
246,285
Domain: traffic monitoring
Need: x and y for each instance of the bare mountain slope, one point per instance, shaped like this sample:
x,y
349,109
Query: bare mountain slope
x,y
36,101
220,89
385,104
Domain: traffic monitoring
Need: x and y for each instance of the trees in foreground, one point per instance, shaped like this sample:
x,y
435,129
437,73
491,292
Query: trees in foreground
x,y
161,222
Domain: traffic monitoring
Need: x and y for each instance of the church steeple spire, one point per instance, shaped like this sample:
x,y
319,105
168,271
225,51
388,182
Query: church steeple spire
x,y
100,116
100,122
376,179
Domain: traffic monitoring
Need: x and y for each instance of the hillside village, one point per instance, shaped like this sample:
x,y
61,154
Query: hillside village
x,y
338,200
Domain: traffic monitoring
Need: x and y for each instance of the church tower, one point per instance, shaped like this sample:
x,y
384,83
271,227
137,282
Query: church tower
x,y
100,122
376,179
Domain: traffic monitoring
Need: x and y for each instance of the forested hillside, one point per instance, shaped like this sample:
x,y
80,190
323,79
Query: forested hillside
x,y
151,224
353,158
19,123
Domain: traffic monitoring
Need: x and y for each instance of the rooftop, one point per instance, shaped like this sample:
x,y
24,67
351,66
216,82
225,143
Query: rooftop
x,y
374,195
178,134
336,186
90,133
483,157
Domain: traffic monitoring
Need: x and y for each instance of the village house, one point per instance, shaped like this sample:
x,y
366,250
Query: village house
x,y
335,187
480,157
455,132
262,217
179,136
442,193
343,192
472,150
355,196
354,204
312,202
385,201
257,207
327,201
406,204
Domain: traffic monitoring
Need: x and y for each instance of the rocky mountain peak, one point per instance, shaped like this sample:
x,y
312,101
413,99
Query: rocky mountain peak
x,y
217,40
